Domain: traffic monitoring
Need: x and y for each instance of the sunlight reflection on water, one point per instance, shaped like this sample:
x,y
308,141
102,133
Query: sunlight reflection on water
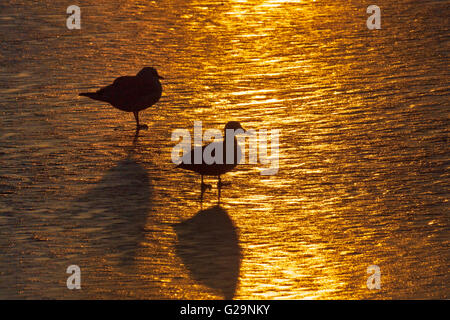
x,y
363,173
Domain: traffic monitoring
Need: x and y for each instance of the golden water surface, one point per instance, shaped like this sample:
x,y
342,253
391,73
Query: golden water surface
x,y
364,150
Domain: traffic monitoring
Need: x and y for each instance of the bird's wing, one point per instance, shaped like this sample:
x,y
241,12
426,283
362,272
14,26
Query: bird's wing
x,y
130,91
121,86
208,150
188,158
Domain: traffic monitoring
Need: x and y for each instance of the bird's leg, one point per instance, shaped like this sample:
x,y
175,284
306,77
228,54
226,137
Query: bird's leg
x,y
201,199
136,116
205,186
136,137
139,126
219,186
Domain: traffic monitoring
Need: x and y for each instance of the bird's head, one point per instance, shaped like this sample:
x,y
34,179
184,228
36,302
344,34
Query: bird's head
x,y
233,125
149,72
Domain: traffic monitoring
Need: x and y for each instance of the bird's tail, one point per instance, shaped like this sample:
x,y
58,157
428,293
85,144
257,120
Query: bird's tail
x,y
92,95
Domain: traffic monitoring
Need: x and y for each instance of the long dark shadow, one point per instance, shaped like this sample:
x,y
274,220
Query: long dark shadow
x,y
208,245
119,204
112,215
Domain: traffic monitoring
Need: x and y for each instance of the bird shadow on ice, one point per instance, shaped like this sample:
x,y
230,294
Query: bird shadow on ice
x,y
208,245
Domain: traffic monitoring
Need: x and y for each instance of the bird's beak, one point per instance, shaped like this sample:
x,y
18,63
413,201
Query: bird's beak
x,y
159,77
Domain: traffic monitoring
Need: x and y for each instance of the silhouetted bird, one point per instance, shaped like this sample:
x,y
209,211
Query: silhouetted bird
x,y
131,93
220,165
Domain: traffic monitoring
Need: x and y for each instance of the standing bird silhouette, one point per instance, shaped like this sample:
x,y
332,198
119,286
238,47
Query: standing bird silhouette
x,y
215,168
131,93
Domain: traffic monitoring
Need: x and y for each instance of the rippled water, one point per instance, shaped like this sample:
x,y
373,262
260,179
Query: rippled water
x,y
364,150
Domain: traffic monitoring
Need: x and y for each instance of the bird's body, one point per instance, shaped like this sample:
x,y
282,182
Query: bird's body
x,y
131,93
216,166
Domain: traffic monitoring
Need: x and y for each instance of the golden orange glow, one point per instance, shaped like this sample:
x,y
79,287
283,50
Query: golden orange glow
x,y
361,164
